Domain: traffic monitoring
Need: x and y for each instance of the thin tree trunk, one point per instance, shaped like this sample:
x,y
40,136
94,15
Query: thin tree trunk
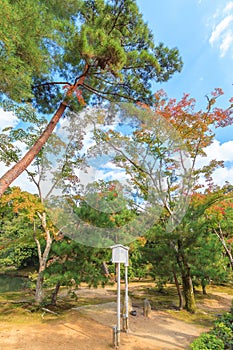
x,y
22,164
178,291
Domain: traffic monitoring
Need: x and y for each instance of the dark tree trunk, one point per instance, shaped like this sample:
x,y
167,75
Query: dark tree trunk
x,y
203,286
178,291
190,304
55,294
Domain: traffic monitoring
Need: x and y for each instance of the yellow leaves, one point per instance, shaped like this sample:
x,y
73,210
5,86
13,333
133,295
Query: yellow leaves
x,y
111,218
22,202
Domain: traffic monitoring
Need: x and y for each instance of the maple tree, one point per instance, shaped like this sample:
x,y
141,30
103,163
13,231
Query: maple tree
x,y
150,155
98,48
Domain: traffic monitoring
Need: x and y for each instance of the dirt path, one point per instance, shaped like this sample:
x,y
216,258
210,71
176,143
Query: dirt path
x,y
79,331
90,328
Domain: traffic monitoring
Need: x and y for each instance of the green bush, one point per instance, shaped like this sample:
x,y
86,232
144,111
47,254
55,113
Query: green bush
x,y
220,337
207,341
224,333
223,329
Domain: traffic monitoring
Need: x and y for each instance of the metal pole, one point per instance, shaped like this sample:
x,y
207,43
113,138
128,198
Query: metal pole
x,y
126,300
118,303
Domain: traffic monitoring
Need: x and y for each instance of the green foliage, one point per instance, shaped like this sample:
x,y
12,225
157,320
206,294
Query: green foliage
x,y
224,333
40,40
72,261
220,337
207,342
138,268
18,248
25,27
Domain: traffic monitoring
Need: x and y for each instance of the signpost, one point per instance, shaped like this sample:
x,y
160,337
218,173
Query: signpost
x,y
120,255
126,316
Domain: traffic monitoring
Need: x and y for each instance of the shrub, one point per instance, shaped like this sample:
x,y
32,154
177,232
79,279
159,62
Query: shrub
x,y
220,337
224,333
207,341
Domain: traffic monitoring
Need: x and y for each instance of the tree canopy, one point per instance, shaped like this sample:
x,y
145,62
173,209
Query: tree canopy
x,y
95,49
46,39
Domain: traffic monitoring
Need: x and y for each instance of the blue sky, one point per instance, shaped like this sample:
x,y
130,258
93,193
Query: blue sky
x,y
202,30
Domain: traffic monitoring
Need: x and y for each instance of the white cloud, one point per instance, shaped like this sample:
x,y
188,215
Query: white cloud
x,y
219,152
7,119
222,175
220,28
226,43
221,36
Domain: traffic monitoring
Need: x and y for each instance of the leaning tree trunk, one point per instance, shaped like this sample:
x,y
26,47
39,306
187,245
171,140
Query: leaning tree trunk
x,y
19,167
22,165
39,295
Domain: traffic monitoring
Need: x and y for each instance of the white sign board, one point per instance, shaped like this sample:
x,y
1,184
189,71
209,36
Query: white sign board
x,y
120,254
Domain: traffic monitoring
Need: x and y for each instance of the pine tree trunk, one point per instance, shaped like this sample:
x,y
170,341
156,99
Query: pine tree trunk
x,y
190,304
18,168
55,293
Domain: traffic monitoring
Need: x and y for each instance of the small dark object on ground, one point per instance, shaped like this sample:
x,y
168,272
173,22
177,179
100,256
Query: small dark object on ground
x,y
133,313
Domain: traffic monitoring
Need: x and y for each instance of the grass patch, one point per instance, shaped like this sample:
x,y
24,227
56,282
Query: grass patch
x,y
200,318
160,299
18,306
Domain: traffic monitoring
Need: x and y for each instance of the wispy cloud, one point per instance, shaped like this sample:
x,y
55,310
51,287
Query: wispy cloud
x,y
228,7
226,43
7,119
220,28
221,35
